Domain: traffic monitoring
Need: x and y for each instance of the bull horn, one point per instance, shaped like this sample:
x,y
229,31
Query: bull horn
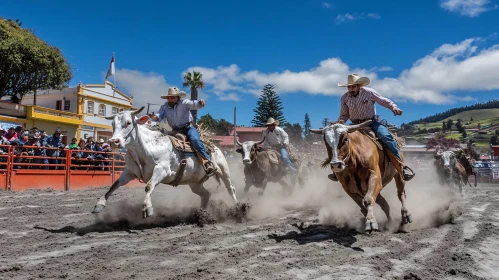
x,y
238,143
110,118
316,131
261,141
355,127
138,111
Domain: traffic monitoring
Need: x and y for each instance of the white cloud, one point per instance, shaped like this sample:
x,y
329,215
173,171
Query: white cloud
x,y
145,87
349,17
327,5
469,8
447,70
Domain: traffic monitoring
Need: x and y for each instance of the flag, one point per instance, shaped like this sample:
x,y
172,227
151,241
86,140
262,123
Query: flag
x,y
111,72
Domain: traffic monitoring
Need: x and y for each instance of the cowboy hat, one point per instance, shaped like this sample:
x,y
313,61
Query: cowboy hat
x,y
354,79
271,121
174,91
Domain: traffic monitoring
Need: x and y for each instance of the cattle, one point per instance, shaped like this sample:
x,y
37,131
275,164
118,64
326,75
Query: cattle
x,y
259,168
465,162
152,158
362,169
449,170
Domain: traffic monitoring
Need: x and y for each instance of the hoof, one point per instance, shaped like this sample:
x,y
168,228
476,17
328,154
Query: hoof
x,y
406,217
147,212
371,226
98,208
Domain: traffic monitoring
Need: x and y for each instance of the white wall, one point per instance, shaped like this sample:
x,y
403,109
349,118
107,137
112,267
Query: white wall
x,y
50,127
48,99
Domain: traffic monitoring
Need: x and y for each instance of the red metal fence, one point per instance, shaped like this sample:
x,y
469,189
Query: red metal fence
x,y
20,169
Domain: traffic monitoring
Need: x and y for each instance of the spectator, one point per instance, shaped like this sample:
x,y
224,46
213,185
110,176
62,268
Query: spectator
x,y
11,135
40,151
73,145
55,141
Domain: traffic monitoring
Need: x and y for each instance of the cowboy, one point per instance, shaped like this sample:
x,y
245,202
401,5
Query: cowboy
x,y
358,106
277,138
177,113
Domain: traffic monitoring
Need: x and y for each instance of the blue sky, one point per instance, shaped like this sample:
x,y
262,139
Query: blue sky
x,y
427,56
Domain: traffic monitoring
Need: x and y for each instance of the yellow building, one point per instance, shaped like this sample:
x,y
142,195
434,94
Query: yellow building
x,y
79,111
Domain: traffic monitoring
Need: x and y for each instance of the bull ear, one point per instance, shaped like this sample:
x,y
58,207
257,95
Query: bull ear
x,y
239,150
259,149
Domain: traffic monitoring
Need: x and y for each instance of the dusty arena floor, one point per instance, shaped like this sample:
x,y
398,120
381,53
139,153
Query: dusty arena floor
x,y
312,234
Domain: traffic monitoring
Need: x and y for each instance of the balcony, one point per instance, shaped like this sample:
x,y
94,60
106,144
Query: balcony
x,y
12,109
52,115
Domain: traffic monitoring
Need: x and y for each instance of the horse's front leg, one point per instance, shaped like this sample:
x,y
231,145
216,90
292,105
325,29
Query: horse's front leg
x,y
158,174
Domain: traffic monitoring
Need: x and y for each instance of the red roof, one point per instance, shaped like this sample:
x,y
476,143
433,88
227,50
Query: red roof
x,y
223,140
248,129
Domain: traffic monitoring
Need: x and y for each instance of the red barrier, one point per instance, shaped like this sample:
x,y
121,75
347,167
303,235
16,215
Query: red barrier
x,y
19,170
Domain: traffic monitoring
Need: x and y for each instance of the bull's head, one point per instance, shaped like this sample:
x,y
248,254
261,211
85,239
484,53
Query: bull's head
x,y
249,150
123,124
446,159
336,136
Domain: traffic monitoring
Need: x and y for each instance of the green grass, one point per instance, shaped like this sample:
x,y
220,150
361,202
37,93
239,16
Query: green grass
x,y
482,116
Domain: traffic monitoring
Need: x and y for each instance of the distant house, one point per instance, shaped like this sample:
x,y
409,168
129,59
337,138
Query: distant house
x,y
495,152
419,151
248,133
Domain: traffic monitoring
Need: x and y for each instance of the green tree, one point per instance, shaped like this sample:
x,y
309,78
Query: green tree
x,y
471,119
294,132
208,122
269,105
444,127
27,63
223,127
306,128
449,124
194,81
325,122
497,132
464,133
494,140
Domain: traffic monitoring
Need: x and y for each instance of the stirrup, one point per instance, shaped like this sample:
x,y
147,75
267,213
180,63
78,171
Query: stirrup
x,y
408,177
210,169
332,177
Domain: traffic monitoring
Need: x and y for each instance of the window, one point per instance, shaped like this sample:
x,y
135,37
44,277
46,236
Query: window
x,y
102,110
67,105
121,109
90,107
114,110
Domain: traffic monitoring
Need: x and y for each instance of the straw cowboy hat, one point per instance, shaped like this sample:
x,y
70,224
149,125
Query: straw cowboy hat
x,y
271,121
354,79
174,91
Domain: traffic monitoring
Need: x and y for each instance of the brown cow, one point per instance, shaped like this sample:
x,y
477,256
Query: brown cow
x,y
258,168
362,170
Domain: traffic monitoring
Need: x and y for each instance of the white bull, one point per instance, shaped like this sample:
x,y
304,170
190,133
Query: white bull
x,y
152,158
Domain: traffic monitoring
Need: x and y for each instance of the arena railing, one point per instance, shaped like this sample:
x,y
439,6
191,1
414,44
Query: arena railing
x,y
20,169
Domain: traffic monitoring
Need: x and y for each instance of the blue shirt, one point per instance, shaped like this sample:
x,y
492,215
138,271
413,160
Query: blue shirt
x,y
179,115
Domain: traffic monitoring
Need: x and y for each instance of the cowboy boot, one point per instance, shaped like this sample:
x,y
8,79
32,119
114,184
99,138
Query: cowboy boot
x,y
402,169
209,168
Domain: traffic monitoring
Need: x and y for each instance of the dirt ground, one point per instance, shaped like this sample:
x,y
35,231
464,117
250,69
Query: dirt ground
x,y
313,234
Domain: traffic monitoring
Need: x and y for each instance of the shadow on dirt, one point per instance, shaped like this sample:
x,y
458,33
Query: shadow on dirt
x,y
216,212
319,233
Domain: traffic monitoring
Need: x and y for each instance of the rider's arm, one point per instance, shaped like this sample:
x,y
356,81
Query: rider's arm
x,y
192,104
285,137
344,112
383,101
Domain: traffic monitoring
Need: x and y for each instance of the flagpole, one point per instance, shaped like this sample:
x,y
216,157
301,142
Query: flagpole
x,y
114,76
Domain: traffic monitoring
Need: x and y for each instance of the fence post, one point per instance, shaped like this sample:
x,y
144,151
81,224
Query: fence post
x,y
68,170
8,169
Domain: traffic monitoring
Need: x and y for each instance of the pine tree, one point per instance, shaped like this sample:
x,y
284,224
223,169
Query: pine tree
x,y
268,106
325,122
306,128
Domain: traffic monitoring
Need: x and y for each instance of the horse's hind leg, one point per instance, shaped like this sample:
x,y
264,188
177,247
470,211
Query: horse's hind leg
x,y
406,216
199,189
381,201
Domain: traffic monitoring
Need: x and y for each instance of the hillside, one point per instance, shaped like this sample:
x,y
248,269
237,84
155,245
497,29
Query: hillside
x,y
482,116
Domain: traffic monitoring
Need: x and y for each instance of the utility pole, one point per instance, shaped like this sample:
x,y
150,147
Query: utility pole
x,y
148,108
234,128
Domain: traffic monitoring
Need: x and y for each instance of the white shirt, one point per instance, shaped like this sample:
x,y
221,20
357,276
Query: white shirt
x,y
276,137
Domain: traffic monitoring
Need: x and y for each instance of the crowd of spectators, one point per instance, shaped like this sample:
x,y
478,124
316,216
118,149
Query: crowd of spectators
x,y
35,149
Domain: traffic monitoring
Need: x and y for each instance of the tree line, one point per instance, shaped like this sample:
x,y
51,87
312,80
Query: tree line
x,y
492,104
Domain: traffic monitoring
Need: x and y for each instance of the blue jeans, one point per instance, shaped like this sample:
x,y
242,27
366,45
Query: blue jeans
x,y
285,157
385,137
193,137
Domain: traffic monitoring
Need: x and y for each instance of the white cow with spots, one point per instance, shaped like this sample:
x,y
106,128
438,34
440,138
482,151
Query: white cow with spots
x,y
151,158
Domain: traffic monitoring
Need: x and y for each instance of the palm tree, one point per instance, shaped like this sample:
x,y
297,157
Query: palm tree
x,y
194,80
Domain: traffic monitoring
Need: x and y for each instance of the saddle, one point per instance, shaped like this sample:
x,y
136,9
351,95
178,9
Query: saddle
x,y
180,143
370,134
